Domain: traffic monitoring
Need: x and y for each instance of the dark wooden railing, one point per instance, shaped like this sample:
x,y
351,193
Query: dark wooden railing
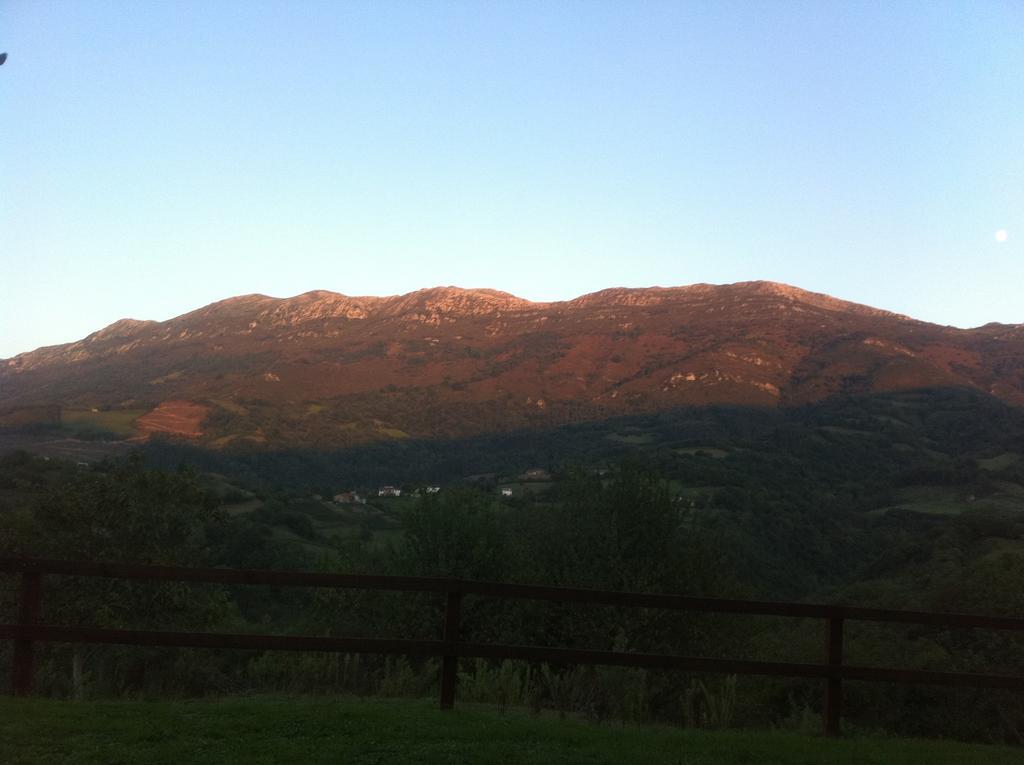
x,y
833,671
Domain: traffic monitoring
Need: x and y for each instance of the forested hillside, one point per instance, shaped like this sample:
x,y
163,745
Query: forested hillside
x,y
909,500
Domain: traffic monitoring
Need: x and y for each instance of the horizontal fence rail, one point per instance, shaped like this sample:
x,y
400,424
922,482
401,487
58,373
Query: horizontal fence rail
x,y
833,671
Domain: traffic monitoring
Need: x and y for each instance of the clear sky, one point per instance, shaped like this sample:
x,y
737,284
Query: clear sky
x,y
157,156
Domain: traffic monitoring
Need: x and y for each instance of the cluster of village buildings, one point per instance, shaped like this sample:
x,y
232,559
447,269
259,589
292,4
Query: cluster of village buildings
x,y
354,498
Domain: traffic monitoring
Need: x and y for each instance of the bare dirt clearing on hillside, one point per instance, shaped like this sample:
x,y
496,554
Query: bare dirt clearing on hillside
x,y
178,418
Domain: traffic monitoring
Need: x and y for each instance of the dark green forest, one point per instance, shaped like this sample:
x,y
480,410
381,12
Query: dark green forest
x,y
910,500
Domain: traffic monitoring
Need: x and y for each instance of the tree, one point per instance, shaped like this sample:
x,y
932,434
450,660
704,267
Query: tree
x,y
126,513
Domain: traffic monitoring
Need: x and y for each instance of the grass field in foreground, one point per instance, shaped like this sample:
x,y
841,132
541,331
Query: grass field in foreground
x,y
330,730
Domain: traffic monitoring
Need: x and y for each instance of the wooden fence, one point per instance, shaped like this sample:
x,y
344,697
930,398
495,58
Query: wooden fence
x,y
832,671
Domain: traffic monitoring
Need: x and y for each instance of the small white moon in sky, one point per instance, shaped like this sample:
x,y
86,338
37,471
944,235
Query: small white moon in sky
x,y
1002,235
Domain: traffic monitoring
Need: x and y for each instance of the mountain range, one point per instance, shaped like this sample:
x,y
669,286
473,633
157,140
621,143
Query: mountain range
x,y
325,369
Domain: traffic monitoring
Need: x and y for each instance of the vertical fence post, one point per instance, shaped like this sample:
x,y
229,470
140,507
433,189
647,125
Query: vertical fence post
x,y
28,613
834,685
450,664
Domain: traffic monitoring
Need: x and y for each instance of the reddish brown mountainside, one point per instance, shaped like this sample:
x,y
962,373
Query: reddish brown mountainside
x,y
326,369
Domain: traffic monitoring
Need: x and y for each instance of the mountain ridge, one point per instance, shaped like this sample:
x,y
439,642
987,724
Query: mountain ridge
x,y
326,368
614,295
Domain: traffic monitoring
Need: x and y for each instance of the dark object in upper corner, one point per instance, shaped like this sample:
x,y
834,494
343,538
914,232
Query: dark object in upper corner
x,y
3,58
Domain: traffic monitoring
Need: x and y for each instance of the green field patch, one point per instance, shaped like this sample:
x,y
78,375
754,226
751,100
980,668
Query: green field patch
x,y
536,487
391,507
120,422
947,500
520,488
177,375
923,493
1013,503
229,406
891,420
240,508
634,439
284,534
1009,488
929,500
925,508
1001,547
844,431
999,462
1009,496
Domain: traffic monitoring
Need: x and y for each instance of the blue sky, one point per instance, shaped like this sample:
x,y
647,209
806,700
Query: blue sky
x,y
158,156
